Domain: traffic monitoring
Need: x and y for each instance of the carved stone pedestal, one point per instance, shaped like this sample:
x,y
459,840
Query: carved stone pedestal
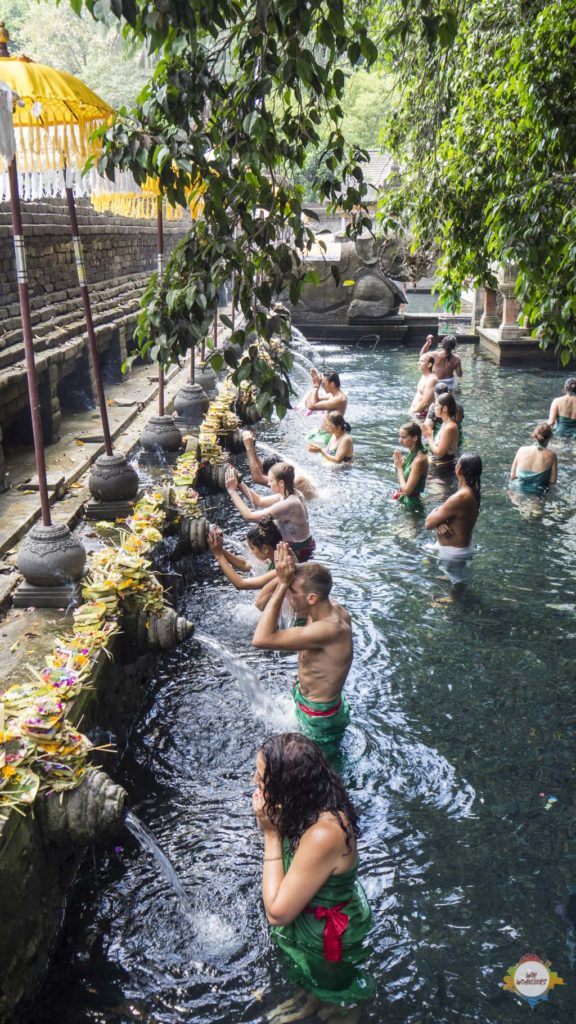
x,y
52,561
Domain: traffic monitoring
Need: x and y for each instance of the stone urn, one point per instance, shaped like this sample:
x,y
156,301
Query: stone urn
x,y
51,556
206,378
190,403
93,811
161,433
232,441
195,534
214,476
248,413
157,632
113,479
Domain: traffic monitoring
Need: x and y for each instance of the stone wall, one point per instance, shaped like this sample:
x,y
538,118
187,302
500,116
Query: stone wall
x,y
113,247
120,255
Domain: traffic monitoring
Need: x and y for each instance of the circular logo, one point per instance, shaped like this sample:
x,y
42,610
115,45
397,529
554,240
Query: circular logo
x,y
531,978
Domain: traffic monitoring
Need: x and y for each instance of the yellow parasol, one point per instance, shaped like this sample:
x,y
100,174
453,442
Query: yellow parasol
x,y
53,119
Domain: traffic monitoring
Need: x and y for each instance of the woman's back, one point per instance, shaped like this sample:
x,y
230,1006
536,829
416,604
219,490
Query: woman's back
x,y
566,406
535,459
291,514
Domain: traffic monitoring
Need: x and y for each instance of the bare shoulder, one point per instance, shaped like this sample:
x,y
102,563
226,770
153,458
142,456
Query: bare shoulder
x,y
325,836
343,613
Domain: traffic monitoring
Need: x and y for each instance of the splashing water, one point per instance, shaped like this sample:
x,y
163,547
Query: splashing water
x,y
148,842
249,683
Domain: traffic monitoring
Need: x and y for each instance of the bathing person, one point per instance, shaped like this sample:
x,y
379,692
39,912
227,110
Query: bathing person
x,y
324,645
286,504
563,411
336,399
436,422
425,388
411,469
262,539
318,910
455,519
534,467
447,365
444,445
259,468
339,448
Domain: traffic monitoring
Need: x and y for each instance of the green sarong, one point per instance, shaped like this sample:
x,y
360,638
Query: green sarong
x,y
565,426
322,930
320,437
413,502
322,721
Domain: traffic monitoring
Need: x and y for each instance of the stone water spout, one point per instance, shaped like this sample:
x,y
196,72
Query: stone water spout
x,y
95,810
157,632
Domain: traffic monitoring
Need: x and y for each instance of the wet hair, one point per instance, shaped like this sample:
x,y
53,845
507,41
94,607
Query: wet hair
x,y
448,402
429,361
542,433
471,468
448,343
441,389
413,430
269,461
570,386
315,579
285,472
332,376
337,420
264,534
299,785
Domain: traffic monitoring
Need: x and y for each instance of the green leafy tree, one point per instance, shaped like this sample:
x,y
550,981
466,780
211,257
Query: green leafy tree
x,y
95,53
485,135
239,98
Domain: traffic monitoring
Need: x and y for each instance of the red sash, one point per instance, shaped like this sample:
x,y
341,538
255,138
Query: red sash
x,y
335,925
319,714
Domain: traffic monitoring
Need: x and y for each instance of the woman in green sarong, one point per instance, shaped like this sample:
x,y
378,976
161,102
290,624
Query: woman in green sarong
x,y
411,469
563,411
312,898
535,467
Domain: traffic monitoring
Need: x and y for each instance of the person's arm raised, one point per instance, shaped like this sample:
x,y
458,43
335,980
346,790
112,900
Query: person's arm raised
x,y
255,466
259,500
445,440
416,470
553,416
285,896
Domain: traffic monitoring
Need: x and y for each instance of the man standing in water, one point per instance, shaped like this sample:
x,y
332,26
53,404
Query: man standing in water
x,y
425,389
447,365
324,645
336,400
455,519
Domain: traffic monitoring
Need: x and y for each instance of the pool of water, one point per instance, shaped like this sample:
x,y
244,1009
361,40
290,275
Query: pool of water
x,y
463,726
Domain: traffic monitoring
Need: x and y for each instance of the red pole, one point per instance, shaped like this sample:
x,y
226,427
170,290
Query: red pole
x,y
160,265
233,299
32,375
93,348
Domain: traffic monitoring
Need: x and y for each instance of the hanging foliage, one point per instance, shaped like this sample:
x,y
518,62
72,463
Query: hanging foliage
x,y
237,101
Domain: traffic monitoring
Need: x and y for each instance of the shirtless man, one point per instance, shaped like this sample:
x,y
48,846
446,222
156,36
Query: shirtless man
x,y
447,366
324,645
425,389
336,401
455,519
259,468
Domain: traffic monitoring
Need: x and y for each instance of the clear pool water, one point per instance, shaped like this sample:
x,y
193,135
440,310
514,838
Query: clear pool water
x,y
464,725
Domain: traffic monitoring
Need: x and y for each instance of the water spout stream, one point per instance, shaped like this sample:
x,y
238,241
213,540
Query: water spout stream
x,y
148,842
